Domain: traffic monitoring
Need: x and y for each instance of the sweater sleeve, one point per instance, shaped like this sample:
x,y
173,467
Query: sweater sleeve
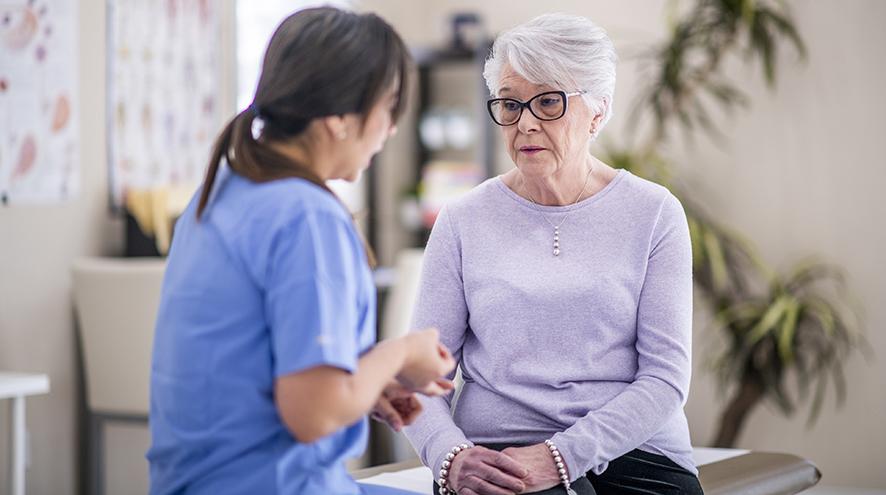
x,y
440,304
664,333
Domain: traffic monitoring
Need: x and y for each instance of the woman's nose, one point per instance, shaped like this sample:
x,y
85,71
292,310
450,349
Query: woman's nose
x,y
528,123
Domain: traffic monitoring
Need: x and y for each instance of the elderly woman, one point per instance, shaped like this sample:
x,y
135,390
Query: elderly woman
x,y
564,290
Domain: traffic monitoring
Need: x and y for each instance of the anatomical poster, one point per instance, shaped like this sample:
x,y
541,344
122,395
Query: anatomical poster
x,y
164,68
39,131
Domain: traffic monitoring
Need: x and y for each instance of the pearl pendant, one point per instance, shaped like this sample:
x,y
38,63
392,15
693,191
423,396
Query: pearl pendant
x,y
556,241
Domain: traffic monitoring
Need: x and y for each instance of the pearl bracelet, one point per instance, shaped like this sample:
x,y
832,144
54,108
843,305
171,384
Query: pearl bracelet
x,y
561,468
444,471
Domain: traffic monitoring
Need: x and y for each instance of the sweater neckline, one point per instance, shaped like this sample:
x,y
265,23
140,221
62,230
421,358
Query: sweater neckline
x,y
561,209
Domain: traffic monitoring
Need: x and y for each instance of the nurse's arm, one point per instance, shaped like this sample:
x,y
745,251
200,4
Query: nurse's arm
x,y
318,401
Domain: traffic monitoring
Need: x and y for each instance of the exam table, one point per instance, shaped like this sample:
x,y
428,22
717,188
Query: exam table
x,y
721,472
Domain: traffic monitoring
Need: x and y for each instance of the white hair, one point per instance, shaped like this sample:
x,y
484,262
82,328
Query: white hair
x,y
564,51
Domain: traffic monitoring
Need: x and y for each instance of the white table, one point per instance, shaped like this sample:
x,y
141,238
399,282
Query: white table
x,y
17,386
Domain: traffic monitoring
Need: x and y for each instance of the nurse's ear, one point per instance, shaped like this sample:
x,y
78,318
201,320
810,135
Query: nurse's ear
x,y
336,126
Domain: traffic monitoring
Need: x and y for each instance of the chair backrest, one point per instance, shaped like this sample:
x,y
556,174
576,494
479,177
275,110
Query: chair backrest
x,y
116,301
400,302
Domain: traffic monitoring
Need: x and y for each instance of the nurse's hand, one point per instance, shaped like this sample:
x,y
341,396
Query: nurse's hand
x,y
440,386
427,360
397,407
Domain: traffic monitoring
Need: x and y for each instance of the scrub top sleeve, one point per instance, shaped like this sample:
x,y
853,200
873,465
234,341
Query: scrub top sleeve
x,y
311,296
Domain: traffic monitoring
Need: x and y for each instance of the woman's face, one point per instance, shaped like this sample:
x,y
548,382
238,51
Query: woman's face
x,y
360,146
542,148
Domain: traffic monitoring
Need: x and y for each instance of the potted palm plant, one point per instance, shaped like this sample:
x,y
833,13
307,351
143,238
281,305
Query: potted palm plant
x,y
797,324
801,325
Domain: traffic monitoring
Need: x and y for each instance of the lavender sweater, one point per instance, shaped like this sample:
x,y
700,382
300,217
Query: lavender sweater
x,y
590,349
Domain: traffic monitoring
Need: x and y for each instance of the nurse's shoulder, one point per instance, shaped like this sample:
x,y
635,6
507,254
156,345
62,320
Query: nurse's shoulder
x,y
286,199
254,210
257,219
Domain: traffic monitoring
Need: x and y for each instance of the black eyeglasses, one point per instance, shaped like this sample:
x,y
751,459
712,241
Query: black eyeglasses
x,y
550,105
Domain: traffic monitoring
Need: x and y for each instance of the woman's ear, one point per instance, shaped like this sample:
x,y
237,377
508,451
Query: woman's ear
x,y
336,126
595,122
598,118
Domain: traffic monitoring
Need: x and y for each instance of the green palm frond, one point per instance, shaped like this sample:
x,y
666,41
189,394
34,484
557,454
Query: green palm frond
x,y
723,260
689,63
802,323
649,164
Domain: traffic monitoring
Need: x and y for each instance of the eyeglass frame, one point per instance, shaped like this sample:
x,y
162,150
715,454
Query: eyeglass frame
x,y
527,104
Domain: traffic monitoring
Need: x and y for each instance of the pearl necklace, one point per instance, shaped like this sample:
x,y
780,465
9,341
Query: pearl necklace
x,y
557,226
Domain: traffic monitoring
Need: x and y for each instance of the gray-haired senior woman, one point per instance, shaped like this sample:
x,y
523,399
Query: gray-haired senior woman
x,y
564,290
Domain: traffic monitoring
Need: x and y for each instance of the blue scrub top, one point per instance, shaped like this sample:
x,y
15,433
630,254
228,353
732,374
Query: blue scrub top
x,y
271,281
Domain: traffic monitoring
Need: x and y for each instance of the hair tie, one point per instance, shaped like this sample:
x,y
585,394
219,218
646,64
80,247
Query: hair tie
x,y
255,109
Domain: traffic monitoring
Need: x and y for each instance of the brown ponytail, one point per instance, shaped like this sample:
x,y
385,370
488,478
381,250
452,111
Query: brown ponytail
x,y
250,158
219,151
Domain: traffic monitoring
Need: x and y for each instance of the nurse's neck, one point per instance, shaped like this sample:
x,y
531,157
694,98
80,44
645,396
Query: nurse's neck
x,y
313,154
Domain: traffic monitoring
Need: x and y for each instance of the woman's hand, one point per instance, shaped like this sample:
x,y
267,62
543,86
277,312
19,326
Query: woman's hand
x,y
427,360
538,460
481,471
397,406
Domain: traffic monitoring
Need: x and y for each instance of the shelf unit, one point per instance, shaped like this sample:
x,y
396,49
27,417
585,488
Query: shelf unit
x,y
430,65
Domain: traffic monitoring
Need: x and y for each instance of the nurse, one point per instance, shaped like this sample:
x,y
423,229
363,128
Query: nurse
x,y
265,364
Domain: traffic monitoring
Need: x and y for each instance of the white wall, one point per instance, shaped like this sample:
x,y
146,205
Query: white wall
x,y
801,174
37,245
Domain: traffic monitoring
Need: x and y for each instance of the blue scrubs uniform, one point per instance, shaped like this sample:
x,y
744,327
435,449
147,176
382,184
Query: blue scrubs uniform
x,y
272,281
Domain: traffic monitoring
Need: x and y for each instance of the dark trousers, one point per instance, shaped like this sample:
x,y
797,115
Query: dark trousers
x,y
636,472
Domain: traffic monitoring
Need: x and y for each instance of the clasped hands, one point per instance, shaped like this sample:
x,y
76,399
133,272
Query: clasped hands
x,y
482,471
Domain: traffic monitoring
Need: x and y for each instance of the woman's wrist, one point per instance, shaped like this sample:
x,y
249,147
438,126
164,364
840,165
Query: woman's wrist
x,y
445,468
562,471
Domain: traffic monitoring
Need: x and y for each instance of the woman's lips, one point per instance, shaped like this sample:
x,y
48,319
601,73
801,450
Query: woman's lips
x,y
531,150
